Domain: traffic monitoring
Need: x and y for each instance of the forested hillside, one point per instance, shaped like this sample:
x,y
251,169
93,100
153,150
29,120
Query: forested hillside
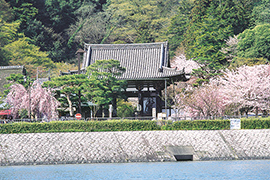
x,y
39,33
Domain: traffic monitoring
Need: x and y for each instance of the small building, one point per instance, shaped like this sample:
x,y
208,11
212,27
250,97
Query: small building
x,y
5,71
148,71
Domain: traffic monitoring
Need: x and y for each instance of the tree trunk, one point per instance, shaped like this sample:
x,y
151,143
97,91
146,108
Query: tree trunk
x,y
114,104
102,112
257,111
71,112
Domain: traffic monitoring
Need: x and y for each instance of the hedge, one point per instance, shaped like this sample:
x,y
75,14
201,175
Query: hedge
x,y
255,123
129,125
198,125
78,126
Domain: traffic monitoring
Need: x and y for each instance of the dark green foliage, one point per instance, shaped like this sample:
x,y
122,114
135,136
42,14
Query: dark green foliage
x,y
255,123
130,18
125,109
209,68
19,79
179,24
207,31
128,125
78,126
261,12
255,43
45,38
60,14
198,125
7,30
10,76
204,37
69,85
46,22
61,27
143,33
5,11
201,28
24,10
103,87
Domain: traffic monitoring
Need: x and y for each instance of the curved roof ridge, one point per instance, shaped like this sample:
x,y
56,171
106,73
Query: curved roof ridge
x,y
141,60
11,67
128,44
173,69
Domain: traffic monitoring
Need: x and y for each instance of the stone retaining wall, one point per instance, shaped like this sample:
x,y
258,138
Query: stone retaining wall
x,y
136,146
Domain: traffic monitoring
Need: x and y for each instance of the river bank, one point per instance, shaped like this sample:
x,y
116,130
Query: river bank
x,y
132,146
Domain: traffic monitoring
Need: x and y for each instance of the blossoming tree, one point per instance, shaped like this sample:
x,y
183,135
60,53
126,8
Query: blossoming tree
x,y
39,100
206,101
15,98
247,86
181,62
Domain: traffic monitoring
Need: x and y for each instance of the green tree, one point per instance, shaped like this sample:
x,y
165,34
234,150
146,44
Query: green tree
x,y
8,33
45,23
24,10
210,24
62,67
261,12
125,109
15,48
6,12
242,61
178,25
207,30
45,38
8,30
69,86
103,87
238,13
91,25
26,81
21,52
255,43
127,16
70,27
60,13
19,79
143,33
204,38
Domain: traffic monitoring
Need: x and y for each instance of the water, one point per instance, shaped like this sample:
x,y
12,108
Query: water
x,y
250,169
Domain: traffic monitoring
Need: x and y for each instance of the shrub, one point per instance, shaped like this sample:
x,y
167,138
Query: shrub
x,y
129,125
198,125
255,123
79,126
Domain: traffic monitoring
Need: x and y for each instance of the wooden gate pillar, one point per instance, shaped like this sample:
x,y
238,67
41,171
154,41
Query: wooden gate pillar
x,y
139,87
158,86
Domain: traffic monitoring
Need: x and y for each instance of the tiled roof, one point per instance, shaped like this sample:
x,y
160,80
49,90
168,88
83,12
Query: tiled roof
x,y
41,80
142,61
5,71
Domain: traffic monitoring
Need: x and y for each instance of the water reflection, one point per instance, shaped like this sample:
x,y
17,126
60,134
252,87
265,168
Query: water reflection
x,y
258,169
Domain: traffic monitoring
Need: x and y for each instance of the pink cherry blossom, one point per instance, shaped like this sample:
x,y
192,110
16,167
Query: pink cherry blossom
x,y
15,97
247,86
206,101
181,62
41,101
